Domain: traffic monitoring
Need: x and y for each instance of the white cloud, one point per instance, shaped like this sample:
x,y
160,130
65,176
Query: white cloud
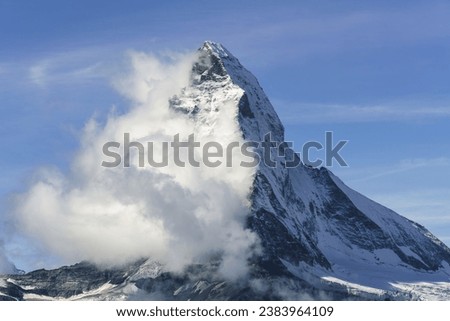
x,y
174,215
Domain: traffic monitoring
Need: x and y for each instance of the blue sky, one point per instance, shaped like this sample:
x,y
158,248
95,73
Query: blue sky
x,y
376,73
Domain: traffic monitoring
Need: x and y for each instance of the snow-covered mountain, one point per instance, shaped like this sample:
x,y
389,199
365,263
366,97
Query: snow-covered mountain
x,y
320,239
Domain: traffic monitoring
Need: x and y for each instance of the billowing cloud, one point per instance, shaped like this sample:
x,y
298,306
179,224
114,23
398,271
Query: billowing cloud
x,y
174,215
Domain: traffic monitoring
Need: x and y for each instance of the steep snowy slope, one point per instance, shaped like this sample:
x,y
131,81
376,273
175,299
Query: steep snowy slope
x,y
308,217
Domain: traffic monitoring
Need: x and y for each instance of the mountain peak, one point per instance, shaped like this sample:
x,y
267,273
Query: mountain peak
x,y
218,67
216,49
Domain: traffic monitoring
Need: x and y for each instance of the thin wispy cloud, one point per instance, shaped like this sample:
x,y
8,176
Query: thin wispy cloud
x,y
410,188
423,199
298,113
50,72
39,73
427,206
420,204
75,66
360,175
44,73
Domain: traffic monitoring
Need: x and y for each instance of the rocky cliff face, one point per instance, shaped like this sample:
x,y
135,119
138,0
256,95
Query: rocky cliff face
x,y
320,239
